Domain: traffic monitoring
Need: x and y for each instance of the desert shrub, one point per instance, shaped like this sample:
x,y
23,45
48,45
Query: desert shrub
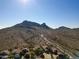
x,y
39,51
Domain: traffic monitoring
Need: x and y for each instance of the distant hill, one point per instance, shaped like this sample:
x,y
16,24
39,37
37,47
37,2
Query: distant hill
x,y
30,33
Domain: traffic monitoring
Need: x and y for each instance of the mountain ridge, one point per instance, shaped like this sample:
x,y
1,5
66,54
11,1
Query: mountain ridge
x,y
29,33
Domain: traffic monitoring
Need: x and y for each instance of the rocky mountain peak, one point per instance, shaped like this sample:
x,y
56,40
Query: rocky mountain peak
x,y
32,24
63,28
44,25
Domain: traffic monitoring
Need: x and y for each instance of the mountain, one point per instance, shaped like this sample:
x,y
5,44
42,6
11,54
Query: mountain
x,y
31,24
33,34
63,28
21,34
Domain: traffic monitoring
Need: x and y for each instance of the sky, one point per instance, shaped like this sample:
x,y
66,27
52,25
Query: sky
x,y
54,13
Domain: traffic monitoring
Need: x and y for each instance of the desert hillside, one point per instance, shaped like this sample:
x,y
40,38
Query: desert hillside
x,y
33,34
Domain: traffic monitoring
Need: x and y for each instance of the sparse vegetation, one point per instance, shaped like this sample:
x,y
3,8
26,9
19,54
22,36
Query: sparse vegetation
x,y
29,35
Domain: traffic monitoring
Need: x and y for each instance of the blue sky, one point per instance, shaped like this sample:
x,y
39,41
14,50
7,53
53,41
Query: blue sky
x,y
54,13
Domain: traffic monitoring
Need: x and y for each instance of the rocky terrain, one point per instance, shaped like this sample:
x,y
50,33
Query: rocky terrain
x,y
33,34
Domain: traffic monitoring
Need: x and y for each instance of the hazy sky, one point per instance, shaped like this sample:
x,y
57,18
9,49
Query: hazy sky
x,y
54,13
